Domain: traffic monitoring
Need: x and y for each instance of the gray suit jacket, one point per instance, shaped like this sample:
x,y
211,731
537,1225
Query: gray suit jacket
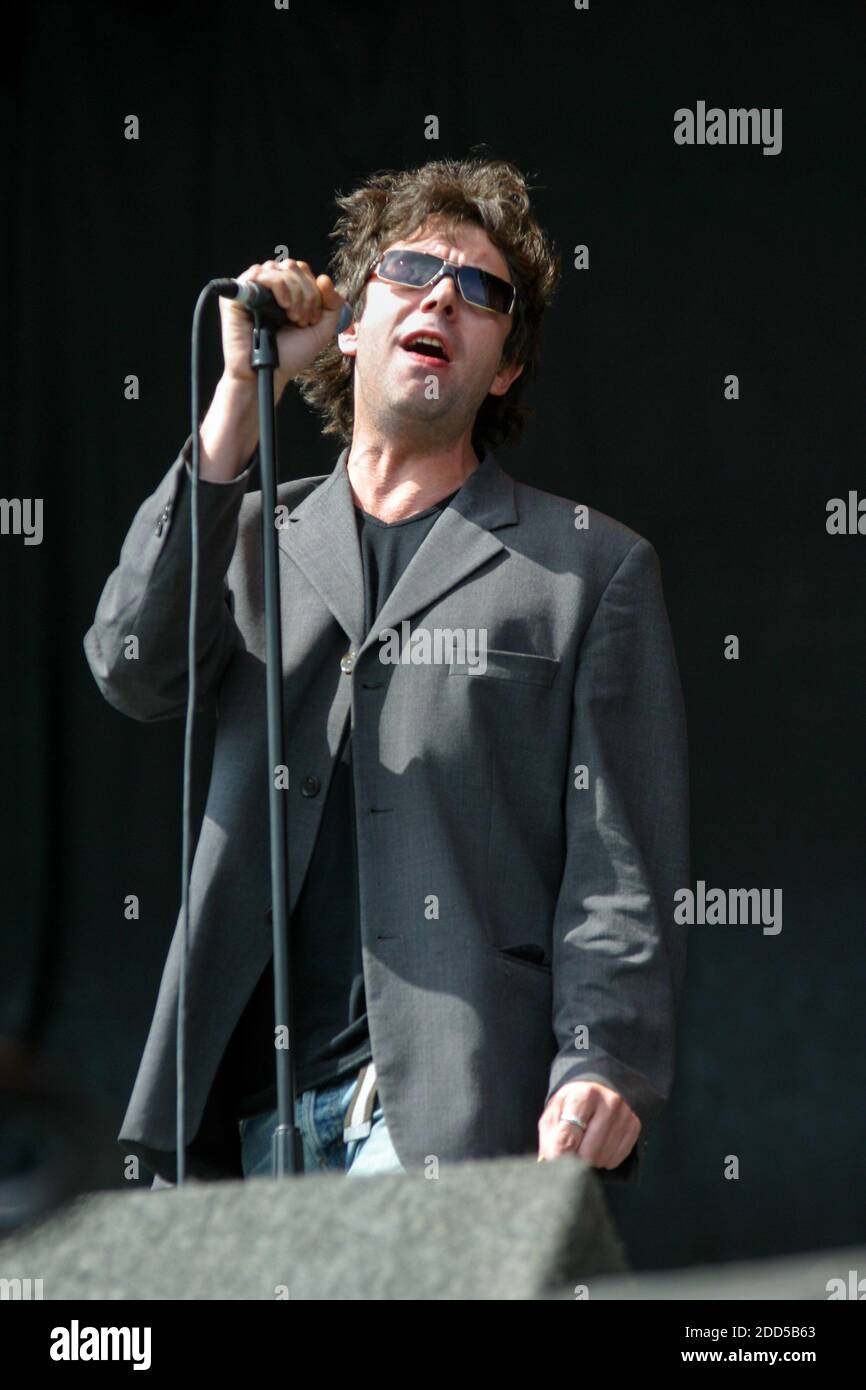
x,y
475,834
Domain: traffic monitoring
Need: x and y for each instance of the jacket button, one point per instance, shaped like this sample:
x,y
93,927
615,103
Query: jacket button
x,y
310,785
347,662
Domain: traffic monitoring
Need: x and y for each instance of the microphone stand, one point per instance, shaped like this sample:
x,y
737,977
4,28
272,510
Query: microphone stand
x,y
287,1155
287,1151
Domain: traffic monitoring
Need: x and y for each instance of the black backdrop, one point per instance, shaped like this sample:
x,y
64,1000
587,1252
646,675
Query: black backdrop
x,y
704,261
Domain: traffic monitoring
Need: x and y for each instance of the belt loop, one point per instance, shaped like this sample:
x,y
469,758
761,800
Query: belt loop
x,y
357,1122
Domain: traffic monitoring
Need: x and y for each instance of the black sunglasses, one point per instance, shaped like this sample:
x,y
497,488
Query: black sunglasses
x,y
417,270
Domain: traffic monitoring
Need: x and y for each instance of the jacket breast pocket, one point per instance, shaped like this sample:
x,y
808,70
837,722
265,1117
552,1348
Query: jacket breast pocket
x,y
529,957
525,668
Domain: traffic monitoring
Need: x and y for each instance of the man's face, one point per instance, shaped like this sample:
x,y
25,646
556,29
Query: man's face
x,y
395,392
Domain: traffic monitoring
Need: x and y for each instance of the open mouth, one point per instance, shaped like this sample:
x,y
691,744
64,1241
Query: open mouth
x,y
427,353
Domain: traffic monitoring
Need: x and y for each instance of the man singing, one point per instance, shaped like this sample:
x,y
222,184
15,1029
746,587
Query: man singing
x,y
484,845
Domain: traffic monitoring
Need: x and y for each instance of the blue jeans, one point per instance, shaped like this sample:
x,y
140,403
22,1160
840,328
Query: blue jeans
x,y
319,1115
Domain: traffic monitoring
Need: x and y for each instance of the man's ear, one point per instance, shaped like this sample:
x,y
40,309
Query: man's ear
x,y
507,373
348,340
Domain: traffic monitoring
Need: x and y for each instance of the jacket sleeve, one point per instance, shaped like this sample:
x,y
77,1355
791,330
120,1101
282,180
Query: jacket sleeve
x,y
618,955
147,598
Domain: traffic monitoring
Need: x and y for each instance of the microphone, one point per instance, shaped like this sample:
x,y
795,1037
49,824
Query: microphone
x,y
256,298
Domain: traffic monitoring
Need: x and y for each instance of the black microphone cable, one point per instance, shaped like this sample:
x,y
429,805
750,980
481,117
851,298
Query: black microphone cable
x,y
210,291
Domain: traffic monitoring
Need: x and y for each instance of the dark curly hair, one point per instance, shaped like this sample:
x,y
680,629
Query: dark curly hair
x,y
391,205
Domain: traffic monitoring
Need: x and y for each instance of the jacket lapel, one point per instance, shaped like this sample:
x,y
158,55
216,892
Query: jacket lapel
x,y
322,539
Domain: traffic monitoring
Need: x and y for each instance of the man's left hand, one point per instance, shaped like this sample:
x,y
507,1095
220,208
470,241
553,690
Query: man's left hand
x,y
611,1131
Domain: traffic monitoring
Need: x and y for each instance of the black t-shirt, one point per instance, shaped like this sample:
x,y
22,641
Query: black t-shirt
x,y
331,1036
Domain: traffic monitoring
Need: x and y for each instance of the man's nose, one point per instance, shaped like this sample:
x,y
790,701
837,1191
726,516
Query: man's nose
x,y
443,294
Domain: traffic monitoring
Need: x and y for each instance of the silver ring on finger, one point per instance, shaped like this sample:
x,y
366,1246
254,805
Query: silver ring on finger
x,y
573,1120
